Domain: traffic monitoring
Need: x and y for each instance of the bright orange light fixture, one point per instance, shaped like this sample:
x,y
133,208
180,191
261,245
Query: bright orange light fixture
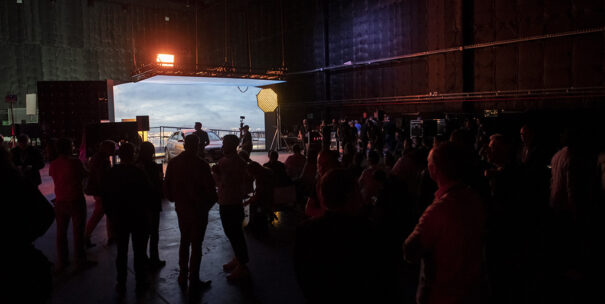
x,y
165,60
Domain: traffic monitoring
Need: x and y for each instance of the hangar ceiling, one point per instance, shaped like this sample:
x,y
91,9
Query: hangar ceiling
x,y
334,51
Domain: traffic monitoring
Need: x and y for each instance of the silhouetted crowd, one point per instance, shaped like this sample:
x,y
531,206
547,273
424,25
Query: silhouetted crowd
x,y
486,211
489,211
128,189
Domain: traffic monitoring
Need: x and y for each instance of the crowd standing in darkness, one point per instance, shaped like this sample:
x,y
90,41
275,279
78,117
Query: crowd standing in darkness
x,y
488,211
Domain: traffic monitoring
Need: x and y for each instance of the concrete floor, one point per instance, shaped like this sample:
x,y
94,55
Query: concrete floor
x,y
272,273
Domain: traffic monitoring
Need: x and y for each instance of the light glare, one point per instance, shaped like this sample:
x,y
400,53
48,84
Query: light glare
x,y
165,60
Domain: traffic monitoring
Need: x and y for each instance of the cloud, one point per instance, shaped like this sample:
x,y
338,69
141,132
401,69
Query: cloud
x,y
217,107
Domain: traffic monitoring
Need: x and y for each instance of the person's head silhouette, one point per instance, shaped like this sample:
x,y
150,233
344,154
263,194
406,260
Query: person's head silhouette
x,y
191,143
230,143
126,153
64,147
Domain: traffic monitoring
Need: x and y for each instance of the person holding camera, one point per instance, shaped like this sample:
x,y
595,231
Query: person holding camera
x,y
246,140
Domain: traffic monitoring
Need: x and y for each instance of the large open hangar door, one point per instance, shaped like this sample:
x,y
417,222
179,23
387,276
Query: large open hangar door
x,y
180,101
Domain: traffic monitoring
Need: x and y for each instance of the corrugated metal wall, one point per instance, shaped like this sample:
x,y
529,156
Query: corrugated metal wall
x,y
78,41
85,40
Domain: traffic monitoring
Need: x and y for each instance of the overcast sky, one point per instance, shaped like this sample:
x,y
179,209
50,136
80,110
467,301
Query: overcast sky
x,y
174,105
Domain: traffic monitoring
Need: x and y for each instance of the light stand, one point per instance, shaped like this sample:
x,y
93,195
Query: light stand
x,y
11,99
12,124
267,101
277,134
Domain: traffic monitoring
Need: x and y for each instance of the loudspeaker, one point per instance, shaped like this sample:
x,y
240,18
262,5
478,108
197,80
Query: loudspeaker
x,y
66,107
143,123
116,131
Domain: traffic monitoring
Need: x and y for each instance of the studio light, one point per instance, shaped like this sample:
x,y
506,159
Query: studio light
x,y
267,100
165,60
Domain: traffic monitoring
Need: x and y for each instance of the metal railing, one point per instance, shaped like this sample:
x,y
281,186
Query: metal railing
x,y
158,136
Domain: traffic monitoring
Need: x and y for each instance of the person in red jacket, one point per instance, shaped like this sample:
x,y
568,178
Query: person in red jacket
x,y
68,173
449,235
190,186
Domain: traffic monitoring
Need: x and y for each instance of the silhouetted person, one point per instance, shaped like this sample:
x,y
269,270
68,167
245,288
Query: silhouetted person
x,y
126,195
261,203
473,175
29,215
303,135
68,173
308,174
449,235
203,138
231,179
506,223
389,160
295,163
98,166
190,185
389,128
534,182
376,135
368,185
535,159
326,161
155,175
363,134
349,138
407,168
28,160
334,253
356,167
574,201
249,185
278,168
246,140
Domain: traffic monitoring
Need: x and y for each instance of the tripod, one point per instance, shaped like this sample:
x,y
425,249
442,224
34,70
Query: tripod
x,y
277,135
